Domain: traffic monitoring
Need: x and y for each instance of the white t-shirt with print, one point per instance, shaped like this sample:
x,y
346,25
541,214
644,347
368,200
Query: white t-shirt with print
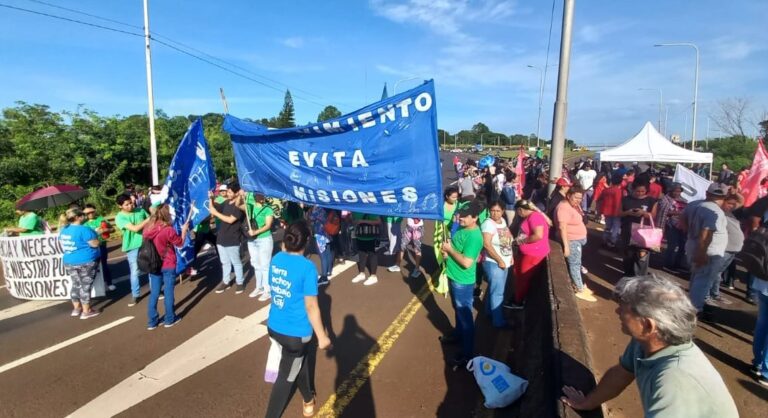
x,y
502,239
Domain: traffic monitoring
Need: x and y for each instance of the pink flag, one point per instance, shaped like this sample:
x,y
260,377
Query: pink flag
x,y
519,169
750,186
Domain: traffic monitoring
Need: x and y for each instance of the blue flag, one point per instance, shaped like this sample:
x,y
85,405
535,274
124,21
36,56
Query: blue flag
x,y
382,159
190,178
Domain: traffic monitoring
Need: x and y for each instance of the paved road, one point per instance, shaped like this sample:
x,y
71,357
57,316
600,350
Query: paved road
x,y
386,360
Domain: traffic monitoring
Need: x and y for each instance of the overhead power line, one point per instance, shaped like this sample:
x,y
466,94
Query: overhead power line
x,y
154,37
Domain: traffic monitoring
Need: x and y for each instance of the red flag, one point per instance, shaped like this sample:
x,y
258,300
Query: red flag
x,y
519,169
750,186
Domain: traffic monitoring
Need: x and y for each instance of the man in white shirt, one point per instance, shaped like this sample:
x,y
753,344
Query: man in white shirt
x,y
586,177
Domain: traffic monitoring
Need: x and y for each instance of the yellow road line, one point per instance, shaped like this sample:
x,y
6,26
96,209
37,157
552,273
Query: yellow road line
x,y
338,401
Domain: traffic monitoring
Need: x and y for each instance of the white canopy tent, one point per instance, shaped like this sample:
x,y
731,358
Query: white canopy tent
x,y
651,146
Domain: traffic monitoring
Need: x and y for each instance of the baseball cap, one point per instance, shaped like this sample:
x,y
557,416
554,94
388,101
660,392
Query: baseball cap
x,y
563,182
223,188
716,189
473,210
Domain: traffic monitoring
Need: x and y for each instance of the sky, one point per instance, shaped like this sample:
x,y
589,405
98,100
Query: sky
x,y
342,53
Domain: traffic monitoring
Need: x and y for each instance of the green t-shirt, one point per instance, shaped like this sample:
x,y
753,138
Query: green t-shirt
x,y
203,227
365,217
468,242
131,240
31,222
258,214
678,381
482,216
95,224
393,219
219,200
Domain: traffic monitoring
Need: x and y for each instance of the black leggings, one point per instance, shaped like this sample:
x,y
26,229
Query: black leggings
x,y
297,367
366,255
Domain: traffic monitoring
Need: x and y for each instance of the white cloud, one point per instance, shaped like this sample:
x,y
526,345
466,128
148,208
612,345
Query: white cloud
x,y
727,48
292,42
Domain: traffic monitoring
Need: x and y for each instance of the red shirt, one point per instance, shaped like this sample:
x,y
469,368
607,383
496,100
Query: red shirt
x,y
654,190
610,203
164,236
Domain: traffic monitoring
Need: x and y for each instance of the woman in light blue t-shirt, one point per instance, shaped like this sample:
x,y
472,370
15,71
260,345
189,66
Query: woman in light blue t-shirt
x,y
81,254
293,315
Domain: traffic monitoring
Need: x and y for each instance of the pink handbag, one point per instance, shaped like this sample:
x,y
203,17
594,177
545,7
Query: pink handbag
x,y
646,236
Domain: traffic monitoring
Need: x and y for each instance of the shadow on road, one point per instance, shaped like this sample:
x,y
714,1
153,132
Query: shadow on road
x,y
357,343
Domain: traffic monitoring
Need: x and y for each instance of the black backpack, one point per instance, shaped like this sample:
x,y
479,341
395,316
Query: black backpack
x,y
148,259
754,253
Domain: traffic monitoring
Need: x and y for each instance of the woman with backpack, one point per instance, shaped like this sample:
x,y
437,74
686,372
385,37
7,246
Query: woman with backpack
x,y
319,217
162,235
81,253
260,243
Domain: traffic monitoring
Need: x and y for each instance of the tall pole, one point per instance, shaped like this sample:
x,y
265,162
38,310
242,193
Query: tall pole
x,y
150,95
695,87
561,102
666,116
541,96
661,102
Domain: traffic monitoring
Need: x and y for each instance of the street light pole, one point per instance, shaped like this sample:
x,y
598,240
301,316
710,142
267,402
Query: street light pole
x,y
695,87
151,98
561,102
661,102
541,96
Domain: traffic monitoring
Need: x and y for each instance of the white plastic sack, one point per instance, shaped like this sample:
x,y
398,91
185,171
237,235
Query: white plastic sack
x,y
499,386
273,361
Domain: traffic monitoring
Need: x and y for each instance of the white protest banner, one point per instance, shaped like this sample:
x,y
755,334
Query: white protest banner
x,y
33,268
694,186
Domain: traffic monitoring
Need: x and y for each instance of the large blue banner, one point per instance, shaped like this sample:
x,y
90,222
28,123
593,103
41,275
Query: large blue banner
x,y
382,159
190,178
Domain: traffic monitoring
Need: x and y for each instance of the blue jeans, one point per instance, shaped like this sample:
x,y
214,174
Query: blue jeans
x,y
714,291
673,254
612,229
260,251
760,341
326,260
133,267
230,257
574,262
462,296
167,280
702,279
497,280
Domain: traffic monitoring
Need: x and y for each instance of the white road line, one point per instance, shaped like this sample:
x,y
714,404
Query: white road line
x,y
3,286
212,344
63,344
27,307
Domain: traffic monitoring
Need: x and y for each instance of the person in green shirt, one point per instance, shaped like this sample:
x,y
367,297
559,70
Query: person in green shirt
x,y
260,243
673,375
367,230
29,224
131,221
393,233
461,254
103,229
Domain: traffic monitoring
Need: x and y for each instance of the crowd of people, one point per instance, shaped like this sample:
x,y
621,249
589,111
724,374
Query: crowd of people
x,y
498,221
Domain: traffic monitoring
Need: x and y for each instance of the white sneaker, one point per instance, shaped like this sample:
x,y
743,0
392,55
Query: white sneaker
x,y
111,287
584,270
371,280
394,269
256,292
192,272
264,296
359,278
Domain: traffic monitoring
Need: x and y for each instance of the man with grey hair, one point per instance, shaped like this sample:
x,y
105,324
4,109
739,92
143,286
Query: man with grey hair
x,y
673,375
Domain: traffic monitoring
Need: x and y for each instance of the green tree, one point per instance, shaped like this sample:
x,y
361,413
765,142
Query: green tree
x,y
286,118
480,128
330,112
